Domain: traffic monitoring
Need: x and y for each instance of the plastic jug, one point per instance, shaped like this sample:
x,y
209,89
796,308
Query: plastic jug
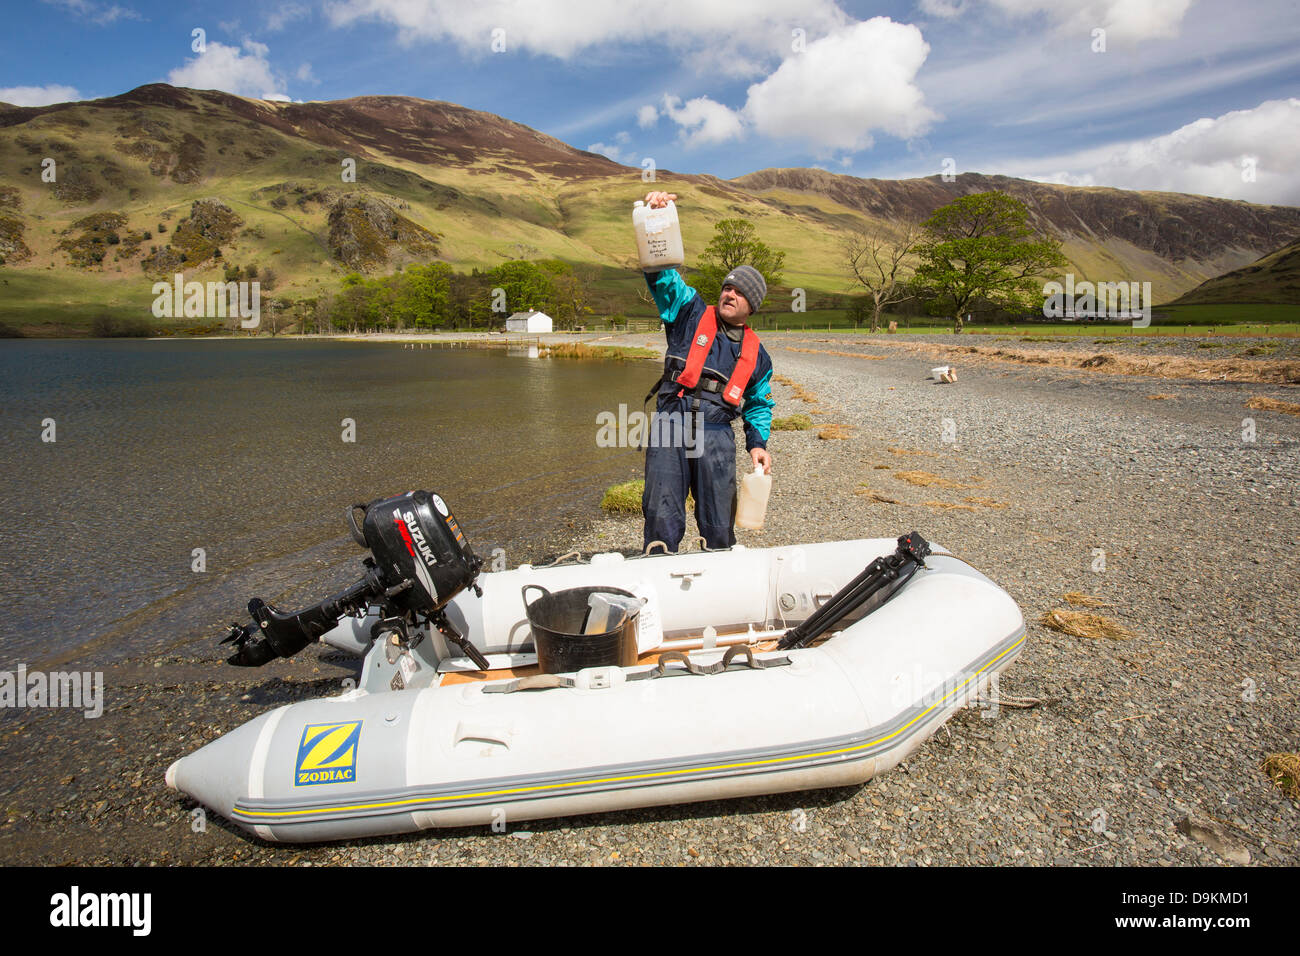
x,y
752,507
658,236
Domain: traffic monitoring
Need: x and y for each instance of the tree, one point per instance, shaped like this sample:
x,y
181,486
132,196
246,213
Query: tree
x,y
735,243
982,247
880,267
527,286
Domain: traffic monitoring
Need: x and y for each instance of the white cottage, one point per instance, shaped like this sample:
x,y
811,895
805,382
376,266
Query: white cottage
x,y
530,321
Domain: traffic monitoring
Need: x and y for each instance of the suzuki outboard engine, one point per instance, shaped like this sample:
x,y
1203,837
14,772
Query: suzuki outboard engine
x,y
419,561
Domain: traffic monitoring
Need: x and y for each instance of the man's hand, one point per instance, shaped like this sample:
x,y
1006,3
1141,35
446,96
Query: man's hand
x,y
761,457
657,200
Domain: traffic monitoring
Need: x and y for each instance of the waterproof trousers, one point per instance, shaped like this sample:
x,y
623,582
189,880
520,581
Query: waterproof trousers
x,y
686,454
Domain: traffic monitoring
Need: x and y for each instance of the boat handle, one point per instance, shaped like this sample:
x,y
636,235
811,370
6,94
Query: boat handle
x,y
685,574
524,591
492,734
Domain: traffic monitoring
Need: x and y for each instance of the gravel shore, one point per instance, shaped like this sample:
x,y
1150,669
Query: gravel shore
x,y
1167,499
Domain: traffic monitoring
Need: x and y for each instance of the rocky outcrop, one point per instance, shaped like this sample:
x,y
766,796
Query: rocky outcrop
x,y
365,234
197,239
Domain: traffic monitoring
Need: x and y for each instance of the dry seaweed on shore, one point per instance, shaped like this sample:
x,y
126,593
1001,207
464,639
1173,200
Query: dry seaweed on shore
x,y
800,393
865,492
1083,624
1079,599
856,355
1282,371
947,506
1262,403
925,479
986,502
1284,770
830,431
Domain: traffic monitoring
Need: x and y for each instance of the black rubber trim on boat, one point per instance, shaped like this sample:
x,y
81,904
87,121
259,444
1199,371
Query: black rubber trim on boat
x,y
679,657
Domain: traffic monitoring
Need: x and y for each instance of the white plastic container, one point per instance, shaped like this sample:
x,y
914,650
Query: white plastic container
x,y
658,236
751,509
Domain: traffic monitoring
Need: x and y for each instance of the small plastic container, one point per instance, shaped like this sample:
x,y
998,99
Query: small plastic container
x,y
751,509
658,236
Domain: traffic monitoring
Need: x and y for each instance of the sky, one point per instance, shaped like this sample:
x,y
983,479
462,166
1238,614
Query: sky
x,y
1199,96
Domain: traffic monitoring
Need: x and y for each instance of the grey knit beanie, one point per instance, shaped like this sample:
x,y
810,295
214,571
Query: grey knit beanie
x,y
749,282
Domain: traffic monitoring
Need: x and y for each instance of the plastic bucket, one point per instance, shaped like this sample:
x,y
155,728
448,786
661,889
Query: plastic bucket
x,y
557,620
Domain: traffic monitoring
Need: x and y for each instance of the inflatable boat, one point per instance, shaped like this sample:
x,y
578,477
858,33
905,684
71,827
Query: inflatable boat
x,y
454,722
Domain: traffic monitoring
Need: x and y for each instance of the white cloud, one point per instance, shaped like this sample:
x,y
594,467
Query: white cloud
x,y
97,13
1206,157
729,34
944,9
222,67
832,95
305,75
284,14
845,85
38,95
1123,20
277,98
616,153
703,121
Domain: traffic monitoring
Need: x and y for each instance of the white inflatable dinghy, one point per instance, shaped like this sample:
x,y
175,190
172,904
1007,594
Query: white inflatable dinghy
x,y
712,708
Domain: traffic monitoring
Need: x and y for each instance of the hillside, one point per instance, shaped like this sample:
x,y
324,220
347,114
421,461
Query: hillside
x,y
1273,279
163,179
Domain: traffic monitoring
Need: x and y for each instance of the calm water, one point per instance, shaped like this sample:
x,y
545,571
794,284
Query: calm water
x,y
236,447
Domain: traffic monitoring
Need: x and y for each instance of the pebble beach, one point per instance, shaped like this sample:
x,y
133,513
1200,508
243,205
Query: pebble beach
x,y
1167,502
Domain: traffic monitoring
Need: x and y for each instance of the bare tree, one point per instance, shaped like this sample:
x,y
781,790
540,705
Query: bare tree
x,y
879,264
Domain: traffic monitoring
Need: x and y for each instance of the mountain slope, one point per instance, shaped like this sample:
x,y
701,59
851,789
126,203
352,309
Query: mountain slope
x,y
1272,279
314,190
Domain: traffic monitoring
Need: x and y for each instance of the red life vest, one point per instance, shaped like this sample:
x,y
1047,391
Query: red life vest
x,y
704,334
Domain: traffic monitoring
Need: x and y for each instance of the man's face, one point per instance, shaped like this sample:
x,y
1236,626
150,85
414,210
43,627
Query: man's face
x,y
732,306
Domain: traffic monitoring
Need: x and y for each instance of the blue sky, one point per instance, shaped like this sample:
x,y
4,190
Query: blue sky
x,y
1191,95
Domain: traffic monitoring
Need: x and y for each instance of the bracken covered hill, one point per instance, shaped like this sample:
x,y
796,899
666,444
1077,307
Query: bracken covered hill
x,y
94,191
1274,279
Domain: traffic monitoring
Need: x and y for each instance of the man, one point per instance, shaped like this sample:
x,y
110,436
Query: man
x,y
715,369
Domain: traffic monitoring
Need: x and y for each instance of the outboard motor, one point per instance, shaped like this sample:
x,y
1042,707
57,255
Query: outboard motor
x,y
419,561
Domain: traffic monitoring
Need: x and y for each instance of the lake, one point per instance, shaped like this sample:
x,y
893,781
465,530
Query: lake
x,y
238,448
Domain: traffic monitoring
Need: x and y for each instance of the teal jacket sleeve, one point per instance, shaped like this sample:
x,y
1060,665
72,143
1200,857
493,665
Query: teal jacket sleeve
x,y
671,293
756,413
